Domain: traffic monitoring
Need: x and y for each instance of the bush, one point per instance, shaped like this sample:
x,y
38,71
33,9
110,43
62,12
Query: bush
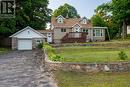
x,y
40,45
123,55
51,53
57,58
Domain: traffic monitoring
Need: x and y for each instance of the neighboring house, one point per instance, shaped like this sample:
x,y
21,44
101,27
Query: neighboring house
x,y
128,29
48,33
26,39
75,30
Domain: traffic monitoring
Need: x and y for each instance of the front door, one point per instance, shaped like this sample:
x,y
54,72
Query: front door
x,y
49,37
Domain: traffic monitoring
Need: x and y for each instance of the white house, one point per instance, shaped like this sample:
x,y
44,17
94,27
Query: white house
x,y
26,39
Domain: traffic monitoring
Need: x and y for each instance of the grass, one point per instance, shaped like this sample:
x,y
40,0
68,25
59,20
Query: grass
x,y
91,54
2,50
77,79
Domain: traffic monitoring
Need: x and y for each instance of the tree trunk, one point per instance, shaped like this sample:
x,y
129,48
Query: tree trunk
x,y
124,30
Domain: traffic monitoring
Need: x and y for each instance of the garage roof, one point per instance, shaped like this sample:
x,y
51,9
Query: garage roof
x,y
28,27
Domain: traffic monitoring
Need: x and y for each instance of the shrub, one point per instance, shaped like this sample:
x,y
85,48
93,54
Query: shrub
x,y
40,45
51,53
123,55
57,58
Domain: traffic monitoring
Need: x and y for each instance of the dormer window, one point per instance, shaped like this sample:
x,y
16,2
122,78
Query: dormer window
x,y
60,20
84,21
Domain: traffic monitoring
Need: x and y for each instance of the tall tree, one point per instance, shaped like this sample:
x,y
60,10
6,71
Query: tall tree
x,y
98,21
104,11
121,13
33,13
66,11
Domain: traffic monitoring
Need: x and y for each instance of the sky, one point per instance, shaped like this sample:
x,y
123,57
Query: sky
x,y
84,7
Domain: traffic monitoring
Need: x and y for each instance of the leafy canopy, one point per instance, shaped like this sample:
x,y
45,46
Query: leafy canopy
x,y
33,13
66,11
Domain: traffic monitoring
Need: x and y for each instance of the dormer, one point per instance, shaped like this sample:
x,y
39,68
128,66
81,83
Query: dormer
x,y
60,19
84,20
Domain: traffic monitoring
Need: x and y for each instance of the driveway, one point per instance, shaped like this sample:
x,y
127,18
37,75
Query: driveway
x,y
24,69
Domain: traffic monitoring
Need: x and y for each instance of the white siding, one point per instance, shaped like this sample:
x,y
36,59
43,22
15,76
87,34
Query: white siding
x,y
28,34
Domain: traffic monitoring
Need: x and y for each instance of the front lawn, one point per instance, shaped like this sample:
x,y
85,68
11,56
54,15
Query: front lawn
x,y
77,79
91,54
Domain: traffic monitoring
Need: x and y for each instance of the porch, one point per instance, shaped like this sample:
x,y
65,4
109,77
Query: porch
x,y
74,37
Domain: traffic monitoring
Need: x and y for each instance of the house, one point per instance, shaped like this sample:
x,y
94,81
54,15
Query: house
x,y
70,30
48,33
26,39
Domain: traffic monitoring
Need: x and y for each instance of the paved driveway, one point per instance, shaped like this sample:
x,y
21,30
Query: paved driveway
x,y
23,69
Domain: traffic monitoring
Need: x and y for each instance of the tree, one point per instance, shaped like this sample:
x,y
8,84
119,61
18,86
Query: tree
x,y
33,13
98,21
121,12
104,11
7,27
66,11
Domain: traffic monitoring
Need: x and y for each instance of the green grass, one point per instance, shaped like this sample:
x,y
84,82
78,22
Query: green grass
x,y
91,54
2,50
77,79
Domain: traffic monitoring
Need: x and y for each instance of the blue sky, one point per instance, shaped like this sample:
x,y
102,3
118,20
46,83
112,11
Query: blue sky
x,y
84,7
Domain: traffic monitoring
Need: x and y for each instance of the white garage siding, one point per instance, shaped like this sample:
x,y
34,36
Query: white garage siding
x,y
24,44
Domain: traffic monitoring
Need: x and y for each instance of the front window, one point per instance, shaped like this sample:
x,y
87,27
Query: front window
x,y
85,30
98,32
63,30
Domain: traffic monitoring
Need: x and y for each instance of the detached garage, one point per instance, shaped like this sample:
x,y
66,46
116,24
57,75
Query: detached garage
x,y
26,39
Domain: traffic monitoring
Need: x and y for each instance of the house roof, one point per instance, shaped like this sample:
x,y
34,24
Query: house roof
x,y
69,23
45,31
28,27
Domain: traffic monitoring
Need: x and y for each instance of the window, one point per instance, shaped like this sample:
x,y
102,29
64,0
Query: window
x,y
60,20
101,32
63,30
38,41
84,21
49,34
76,29
85,30
98,32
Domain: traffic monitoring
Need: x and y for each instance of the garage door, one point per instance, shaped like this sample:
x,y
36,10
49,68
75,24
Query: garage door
x,y
24,44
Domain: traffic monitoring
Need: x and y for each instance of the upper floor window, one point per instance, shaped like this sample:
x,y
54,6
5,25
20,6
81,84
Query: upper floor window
x,y
60,20
63,30
84,21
